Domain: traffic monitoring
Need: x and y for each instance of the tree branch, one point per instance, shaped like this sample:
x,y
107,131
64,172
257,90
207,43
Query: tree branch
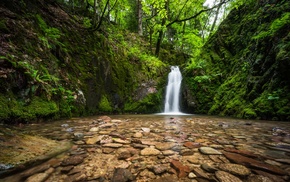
x,y
197,14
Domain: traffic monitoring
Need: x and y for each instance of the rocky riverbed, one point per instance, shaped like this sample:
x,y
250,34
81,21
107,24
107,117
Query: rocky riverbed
x,y
161,148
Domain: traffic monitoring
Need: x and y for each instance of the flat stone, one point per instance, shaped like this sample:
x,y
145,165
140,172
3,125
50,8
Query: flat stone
x,y
273,177
239,159
140,146
181,169
235,169
164,146
186,152
118,140
93,140
146,130
124,154
209,151
150,151
113,145
73,160
108,150
223,176
168,152
122,175
159,169
192,145
258,178
94,129
200,173
209,167
286,161
39,177
138,135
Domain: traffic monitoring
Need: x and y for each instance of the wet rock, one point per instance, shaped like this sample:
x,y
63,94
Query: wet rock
x,y
117,140
286,161
138,135
239,159
159,169
223,176
73,160
209,151
186,152
243,152
105,118
93,140
146,130
78,136
168,152
191,145
164,146
209,167
258,178
274,178
235,169
39,177
124,154
94,129
66,169
200,173
150,151
148,174
76,177
181,169
108,150
113,145
122,175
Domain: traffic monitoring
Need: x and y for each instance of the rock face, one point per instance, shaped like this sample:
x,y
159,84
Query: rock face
x,y
247,93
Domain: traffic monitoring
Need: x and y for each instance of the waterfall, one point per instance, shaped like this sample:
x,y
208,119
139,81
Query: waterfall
x,y
173,90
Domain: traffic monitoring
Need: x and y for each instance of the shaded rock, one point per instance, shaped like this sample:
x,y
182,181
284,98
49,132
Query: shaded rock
x,y
140,146
113,145
78,136
209,151
73,160
200,173
181,169
192,145
209,167
66,169
243,152
171,178
76,177
235,169
150,151
274,178
39,177
223,176
186,152
148,174
124,154
258,178
239,159
108,150
159,169
122,175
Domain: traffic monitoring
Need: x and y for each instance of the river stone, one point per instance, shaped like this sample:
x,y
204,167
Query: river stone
x,y
239,159
113,145
164,146
191,175
259,178
209,167
226,177
150,151
94,129
73,160
168,152
209,151
39,177
235,169
138,135
158,169
180,168
118,140
93,140
78,136
146,130
122,175
191,145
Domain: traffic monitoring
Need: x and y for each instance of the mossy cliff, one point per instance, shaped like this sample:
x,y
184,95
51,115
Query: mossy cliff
x,y
53,66
243,70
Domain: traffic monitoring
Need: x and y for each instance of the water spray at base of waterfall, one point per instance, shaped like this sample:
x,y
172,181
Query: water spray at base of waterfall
x,y
172,96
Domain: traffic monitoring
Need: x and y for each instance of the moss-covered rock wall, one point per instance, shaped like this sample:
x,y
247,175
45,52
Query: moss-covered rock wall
x,y
53,66
243,69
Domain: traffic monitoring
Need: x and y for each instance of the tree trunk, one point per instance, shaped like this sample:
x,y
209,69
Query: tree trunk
x,y
216,17
95,14
139,12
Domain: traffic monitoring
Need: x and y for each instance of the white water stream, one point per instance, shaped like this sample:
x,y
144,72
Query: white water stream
x,y
173,91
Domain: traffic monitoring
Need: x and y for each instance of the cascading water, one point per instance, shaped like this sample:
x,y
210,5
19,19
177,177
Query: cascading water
x,y
172,91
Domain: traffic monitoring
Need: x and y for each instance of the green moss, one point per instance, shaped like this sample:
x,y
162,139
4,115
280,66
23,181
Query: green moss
x,y
4,109
105,105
